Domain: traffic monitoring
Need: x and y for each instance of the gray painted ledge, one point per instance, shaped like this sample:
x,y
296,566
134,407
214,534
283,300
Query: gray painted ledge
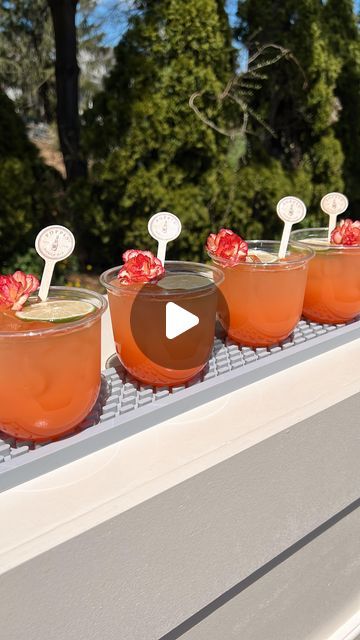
x,y
263,545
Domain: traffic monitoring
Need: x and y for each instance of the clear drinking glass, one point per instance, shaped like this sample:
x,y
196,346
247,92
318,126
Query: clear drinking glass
x,y
138,315
49,372
264,299
332,292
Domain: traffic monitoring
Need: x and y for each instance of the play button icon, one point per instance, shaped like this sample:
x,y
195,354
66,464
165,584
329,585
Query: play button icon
x,y
178,320
172,323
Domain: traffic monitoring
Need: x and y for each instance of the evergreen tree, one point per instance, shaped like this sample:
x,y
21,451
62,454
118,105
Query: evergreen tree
x,y
27,188
27,52
26,56
151,151
344,38
298,99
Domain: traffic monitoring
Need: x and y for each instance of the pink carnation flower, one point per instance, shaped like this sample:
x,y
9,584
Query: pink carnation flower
x,y
15,289
347,233
228,246
140,266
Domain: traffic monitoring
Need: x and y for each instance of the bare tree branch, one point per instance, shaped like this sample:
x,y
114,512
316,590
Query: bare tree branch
x,y
242,86
230,133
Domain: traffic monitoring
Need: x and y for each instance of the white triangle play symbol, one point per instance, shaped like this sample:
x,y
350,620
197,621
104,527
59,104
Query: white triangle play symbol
x,y
178,320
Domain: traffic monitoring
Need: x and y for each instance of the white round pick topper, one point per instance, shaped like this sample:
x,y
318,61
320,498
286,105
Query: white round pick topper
x,y
291,209
55,243
164,226
334,203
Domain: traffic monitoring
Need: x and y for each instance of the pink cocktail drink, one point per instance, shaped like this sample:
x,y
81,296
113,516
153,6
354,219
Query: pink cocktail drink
x,y
49,372
264,294
333,287
138,315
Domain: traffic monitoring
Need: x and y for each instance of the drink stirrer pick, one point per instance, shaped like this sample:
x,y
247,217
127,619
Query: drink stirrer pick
x,y
333,204
290,210
164,227
53,244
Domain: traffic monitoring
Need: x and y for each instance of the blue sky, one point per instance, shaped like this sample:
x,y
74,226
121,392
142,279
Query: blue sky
x,y
231,6
115,19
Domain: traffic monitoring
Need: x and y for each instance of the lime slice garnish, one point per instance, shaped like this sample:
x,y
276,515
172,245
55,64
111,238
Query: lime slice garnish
x,y
184,281
264,256
56,311
318,244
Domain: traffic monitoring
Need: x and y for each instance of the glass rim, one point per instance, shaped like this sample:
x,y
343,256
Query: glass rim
x,y
308,254
328,246
135,288
64,327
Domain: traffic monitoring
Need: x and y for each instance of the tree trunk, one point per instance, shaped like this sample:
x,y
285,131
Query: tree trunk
x,y
45,102
67,76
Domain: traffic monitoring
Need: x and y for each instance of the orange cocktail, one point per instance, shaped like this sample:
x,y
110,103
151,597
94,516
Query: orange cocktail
x,y
49,372
264,298
138,315
333,288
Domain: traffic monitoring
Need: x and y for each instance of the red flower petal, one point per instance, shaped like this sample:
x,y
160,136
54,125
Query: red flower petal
x,y
15,289
228,246
346,233
140,266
